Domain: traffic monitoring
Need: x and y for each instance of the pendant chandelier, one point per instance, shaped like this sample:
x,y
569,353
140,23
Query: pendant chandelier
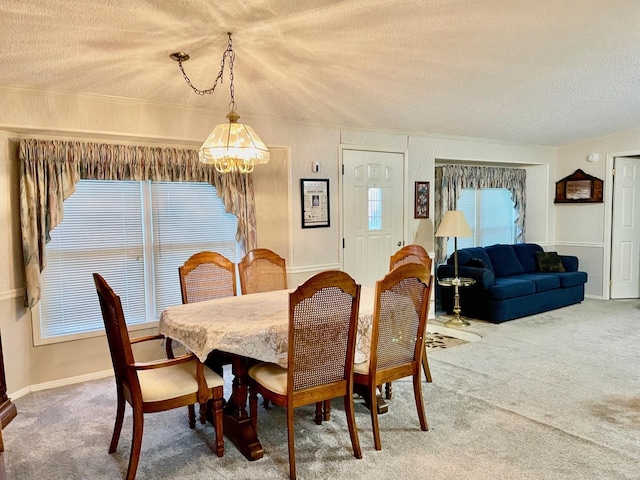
x,y
231,146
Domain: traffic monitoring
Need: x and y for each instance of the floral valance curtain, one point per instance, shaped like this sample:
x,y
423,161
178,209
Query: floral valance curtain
x,y
451,179
51,169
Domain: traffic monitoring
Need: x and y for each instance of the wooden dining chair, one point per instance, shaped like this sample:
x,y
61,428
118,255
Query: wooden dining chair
x,y
411,254
206,276
157,385
262,270
323,316
397,337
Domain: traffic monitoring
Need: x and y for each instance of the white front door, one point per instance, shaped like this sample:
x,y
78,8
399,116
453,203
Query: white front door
x,y
625,229
372,212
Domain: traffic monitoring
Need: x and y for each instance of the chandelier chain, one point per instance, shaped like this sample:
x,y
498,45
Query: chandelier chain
x,y
228,54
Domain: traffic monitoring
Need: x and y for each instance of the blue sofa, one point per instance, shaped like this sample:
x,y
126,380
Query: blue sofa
x,y
509,283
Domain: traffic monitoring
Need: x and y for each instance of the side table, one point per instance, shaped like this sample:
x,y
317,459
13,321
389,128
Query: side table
x,y
456,282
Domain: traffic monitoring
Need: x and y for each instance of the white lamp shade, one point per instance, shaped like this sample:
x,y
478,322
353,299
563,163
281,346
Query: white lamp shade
x,y
454,225
235,145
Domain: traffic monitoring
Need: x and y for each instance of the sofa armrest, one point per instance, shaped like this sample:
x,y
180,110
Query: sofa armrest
x,y
569,262
483,276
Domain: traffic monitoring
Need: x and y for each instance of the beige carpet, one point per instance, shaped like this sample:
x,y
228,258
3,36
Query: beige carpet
x,y
551,396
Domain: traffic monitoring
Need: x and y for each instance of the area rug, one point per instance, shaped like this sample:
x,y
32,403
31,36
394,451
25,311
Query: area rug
x,y
440,341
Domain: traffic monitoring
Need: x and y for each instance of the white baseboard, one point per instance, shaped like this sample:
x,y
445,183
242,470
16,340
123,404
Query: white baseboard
x,y
60,383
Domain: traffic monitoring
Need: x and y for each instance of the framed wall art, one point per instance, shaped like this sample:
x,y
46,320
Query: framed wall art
x,y
579,187
421,208
314,195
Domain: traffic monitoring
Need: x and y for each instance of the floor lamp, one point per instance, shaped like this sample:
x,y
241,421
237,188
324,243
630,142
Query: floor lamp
x,y
454,225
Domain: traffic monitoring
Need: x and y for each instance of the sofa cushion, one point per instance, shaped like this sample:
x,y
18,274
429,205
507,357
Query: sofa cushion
x,y
510,288
466,254
477,263
504,260
526,253
570,279
543,281
549,262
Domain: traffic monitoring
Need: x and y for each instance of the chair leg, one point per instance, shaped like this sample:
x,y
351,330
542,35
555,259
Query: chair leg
x,y
136,443
192,416
373,410
290,441
417,393
118,426
425,367
326,411
203,413
318,416
216,406
388,391
253,405
351,422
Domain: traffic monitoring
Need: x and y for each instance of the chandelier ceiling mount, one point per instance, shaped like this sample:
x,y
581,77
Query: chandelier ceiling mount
x,y
231,146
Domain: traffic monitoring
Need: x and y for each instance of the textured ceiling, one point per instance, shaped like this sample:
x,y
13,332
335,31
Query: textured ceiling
x,y
542,72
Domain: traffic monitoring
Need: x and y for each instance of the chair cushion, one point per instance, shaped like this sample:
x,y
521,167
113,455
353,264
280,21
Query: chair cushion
x,y
174,381
549,262
362,367
504,260
270,376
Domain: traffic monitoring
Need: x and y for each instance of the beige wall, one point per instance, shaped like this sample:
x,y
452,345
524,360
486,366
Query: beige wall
x,y
28,113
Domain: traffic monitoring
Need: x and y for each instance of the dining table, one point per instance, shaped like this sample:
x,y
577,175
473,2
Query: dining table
x,y
253,327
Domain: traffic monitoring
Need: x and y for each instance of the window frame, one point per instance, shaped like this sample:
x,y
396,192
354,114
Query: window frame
x,y
149,274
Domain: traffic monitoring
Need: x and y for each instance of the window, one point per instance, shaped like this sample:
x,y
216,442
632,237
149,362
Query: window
x,y
491,215
374,195
136,235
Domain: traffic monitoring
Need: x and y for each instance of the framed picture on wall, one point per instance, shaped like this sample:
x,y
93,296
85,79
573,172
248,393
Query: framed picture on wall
x,y
314,195
579,187
421,208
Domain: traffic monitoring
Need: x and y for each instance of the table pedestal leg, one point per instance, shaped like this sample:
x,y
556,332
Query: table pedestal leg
x,y
457,321
237,424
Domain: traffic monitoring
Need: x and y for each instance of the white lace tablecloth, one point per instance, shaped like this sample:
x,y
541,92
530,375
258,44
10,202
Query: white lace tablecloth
x,y
254,326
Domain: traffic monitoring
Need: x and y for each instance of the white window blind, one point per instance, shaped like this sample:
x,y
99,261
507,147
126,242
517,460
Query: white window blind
x,y
136,235
187,218
491,215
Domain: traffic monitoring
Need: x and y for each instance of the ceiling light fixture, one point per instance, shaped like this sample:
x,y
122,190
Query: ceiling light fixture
x,y
231,146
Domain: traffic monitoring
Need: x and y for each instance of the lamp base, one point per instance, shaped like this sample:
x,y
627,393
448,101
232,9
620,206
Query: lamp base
x,y
456,321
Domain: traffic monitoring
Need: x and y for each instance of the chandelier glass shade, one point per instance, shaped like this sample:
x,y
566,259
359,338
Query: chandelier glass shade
x,y
234,146
231,146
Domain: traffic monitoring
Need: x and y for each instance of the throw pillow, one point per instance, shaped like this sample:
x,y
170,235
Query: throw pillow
x,y
476,262
549,262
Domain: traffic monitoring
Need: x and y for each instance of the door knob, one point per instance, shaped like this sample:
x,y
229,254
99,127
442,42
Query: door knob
x,y
400,243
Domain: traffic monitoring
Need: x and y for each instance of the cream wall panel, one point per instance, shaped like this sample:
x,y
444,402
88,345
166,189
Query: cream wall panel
x,y
17,344
590,261
388,141
538,219
272,186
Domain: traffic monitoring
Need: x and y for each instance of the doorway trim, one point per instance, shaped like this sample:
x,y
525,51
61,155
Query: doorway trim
x,y
405,180
608,218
